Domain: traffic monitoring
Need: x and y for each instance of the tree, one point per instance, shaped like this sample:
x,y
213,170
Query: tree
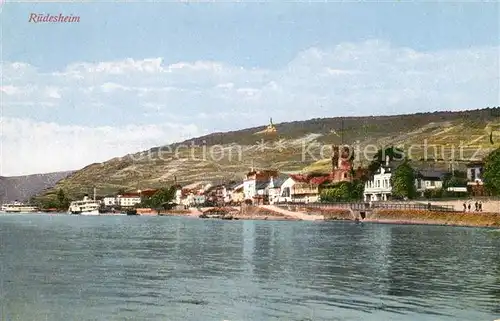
x,y
62,200
336,193
161,198
453,181
403,181
357,188
394,153
344,191
491,172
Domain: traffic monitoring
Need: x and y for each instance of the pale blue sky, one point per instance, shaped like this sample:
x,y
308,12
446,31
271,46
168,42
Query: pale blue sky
x,y
161,72
247,34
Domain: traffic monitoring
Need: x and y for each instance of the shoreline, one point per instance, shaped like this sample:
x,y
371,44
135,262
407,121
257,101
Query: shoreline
x,y
419,217
256,214
422,222
377,216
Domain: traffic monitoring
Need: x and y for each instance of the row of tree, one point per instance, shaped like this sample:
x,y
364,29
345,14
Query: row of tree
x,y
161,199
60,202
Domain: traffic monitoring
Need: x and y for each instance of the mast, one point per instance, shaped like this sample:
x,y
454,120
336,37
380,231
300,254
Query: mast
x,y
94,192
342,131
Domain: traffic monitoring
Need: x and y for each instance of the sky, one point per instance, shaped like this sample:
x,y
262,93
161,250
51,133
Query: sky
x,y
131,76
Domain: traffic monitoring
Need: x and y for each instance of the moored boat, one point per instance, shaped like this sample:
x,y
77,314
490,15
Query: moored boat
x,y
86,206
19,207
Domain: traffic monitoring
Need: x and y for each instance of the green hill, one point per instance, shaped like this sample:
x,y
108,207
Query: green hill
x,y
297,146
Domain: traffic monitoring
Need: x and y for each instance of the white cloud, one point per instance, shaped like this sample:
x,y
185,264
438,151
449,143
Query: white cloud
x,y
31,146
10,90
372,77
52,92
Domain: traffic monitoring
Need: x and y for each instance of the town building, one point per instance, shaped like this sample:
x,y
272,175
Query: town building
x,y
234,193
475,173
300,189
274,188
109,201
379,188
256,179
128,199
429,179
475,178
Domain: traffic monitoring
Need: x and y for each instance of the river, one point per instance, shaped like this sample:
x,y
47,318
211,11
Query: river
x,y
62,268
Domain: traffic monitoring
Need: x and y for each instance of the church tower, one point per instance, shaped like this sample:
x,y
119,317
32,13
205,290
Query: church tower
x,y
342,164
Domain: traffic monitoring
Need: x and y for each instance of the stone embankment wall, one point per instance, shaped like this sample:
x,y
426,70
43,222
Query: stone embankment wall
x,y
490,206
331,213
476,219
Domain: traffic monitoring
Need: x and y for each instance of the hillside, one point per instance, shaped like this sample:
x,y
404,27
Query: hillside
x,y
22,188
301,145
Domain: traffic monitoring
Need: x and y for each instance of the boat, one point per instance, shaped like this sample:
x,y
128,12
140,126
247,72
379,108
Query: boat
x,y
18,207
86,206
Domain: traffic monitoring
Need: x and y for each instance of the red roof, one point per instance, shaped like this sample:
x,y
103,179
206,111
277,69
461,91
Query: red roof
x,y
148,192
319,180
304,178
130,195
263,175
300,178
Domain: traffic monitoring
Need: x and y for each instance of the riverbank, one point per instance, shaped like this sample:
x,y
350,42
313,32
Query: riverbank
x,y
239,213
269,212
327,213
472,219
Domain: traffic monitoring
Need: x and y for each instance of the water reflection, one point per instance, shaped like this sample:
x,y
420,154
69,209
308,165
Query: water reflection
x,y
136,268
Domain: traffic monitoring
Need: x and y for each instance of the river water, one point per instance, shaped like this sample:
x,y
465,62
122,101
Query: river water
x,y
62,268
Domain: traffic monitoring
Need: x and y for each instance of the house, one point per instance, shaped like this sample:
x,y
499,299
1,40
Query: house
x,y
274,188
379,187
475,178
300,188
262,192
147,193
128,199
217,194
109,201
429,180
192,194
255,179
475,173
229,193
235,193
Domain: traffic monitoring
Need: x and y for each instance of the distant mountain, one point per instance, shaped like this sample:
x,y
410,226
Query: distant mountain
x,y
294,146
22,188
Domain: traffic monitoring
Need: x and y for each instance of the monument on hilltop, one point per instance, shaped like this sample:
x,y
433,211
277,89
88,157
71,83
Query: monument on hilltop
x,y
270,129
